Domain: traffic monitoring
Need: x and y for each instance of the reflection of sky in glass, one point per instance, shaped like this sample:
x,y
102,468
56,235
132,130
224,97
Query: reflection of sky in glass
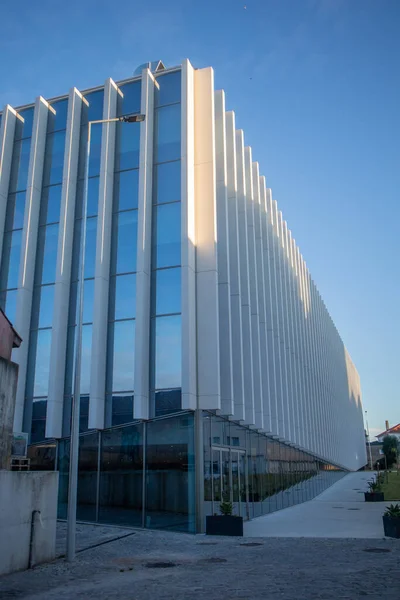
x,y
8,302
11,256
19,174
126,190
15,211
168,352
90,249
86,355
168,235
42,364
126,241
168,132
168,182
25,130
125,297
59,120
51,204
168,291
95,148
88,300
124,356
54,159
130,103
46,306
50,253
127,146
169,88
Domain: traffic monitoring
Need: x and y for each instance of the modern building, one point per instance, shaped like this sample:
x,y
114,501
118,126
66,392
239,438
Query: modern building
x,y
209,359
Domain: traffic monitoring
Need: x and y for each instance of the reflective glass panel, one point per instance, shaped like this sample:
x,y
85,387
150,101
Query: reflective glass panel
x,y
93,197
123,297
94,111
20,166
130,103
47,251
95,148
50,204
54,158
170,467
168,182
168,352
126,190
46,306
59,120
169,90
123,355
42,362
125,235
167,402
167,291
121,409
24,130
38,427
127,146
86,356
168,133
10,259
87,477
15,211
167,235
121,476
8,302
88,300
90,249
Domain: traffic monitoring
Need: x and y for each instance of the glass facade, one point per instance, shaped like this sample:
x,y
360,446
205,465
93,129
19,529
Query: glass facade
x,y
166,339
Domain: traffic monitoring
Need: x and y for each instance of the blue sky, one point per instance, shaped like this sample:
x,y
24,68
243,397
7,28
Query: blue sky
x,y
315,85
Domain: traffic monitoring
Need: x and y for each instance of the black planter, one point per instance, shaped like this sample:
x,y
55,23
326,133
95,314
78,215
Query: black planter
x,y
374,497
224,525
391,525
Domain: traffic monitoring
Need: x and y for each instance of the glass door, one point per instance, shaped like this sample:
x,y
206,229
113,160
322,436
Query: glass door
x,y
230,474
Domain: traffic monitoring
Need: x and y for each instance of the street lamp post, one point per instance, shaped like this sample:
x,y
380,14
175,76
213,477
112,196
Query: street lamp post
x,y
369,440
74,439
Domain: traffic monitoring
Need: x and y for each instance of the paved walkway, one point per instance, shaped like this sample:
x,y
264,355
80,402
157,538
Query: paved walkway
x,y
339,512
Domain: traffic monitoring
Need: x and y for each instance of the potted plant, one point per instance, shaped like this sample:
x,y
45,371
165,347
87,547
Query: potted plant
x,y
391,521
226,523
375,493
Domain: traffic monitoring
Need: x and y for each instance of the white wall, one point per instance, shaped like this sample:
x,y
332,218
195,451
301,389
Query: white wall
x,y
20,494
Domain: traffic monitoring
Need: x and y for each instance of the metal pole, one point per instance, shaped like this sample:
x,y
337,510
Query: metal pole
x,y
74,440
369,442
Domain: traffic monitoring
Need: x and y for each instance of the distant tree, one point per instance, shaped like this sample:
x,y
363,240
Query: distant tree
x,y
390,449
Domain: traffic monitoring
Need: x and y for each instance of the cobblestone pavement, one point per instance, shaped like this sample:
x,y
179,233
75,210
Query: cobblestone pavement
x,y
171,566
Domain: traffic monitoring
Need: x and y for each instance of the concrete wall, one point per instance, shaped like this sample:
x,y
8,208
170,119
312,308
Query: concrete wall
x,y
8,388
20,494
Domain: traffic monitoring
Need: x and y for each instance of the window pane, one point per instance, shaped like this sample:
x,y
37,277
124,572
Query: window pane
x,y
59,120
24,130
168,182
47,253
131,101
54,158
20,166
123,297
93,197
88,300
10,259
167,291
169,88
121,409
38,428
168,352
168,133
125,238
94,111
90,248
46,294
86,356
126,190
167,235
167,402
127,146
122,356
121,476
50,205
95,148
87,475
8,302
15,211
42,361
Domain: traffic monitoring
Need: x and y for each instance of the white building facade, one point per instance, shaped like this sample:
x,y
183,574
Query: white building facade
x,y
198,304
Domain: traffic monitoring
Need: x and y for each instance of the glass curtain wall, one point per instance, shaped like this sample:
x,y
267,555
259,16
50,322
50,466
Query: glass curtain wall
x,y
139,475
260,474
122,300
45,273
92,111
15,214
166,248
